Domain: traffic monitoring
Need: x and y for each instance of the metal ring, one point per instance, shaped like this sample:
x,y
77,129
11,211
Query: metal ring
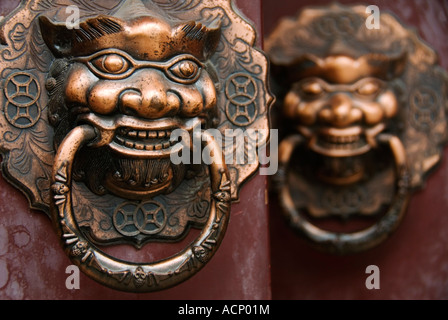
x,y
128,276
344,243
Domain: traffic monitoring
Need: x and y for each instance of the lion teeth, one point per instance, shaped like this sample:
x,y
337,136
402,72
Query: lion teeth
x,y
334,142
129,144
340,139
139,146
152,134
144,134
141,139
166,145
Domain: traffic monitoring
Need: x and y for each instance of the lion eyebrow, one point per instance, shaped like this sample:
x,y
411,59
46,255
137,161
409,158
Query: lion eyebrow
x,y
96,28
195,30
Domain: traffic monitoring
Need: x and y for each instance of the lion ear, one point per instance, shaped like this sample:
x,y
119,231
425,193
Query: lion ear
x,y
213,37
65,42
388,67
197,35
57,37
398,65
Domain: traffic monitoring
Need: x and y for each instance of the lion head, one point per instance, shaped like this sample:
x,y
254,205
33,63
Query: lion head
x,y
340,86
135,77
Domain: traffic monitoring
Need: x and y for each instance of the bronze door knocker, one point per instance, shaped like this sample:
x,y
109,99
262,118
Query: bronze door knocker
x,y
364,117
102,122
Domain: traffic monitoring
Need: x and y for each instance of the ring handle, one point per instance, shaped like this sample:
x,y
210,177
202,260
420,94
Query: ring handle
x,y
128,276
345,243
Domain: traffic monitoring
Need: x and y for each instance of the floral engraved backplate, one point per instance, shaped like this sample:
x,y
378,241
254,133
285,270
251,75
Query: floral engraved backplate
x,y
91,114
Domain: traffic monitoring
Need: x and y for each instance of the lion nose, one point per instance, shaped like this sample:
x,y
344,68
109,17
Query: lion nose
x,y
149,98
340,111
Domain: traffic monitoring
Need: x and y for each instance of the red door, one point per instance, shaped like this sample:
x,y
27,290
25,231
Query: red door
x,y
260,257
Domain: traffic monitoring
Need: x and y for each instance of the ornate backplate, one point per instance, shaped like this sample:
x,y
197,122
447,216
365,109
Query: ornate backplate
x,y
90,109
363,115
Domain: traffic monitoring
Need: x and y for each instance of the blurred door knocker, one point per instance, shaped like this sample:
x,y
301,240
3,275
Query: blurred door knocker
x,y
94,112
362,113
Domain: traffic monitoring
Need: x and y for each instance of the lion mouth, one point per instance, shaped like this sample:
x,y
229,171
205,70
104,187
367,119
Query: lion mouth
x,y
138,138
139,178
141,143
139,152
341,142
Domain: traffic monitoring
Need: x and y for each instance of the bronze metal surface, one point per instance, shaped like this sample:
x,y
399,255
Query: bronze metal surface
x,y
89,120
363,118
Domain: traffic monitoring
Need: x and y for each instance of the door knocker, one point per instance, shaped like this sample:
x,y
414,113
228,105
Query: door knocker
x,y
102,123
363,118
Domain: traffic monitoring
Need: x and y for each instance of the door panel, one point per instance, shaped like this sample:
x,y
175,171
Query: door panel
x,y
33,265
413,262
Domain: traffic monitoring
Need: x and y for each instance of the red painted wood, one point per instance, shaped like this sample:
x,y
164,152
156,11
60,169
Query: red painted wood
x,y
32,264
414,261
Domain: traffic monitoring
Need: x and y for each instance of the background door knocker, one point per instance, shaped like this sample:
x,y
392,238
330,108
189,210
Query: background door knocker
x,y
362,113
94,115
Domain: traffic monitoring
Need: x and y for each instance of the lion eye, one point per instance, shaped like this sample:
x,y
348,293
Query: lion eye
x,y
185,71
368,88
312,88
111,63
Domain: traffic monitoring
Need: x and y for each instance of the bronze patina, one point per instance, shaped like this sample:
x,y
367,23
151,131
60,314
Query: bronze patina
x,y
89,117
364,112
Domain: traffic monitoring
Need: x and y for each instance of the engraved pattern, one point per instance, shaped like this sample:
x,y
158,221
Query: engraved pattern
x,y
423,85
29,152
189,205
330,25
241,92
25,50
148,217
143,277
425,107
344,201
235,55
22,91
333,181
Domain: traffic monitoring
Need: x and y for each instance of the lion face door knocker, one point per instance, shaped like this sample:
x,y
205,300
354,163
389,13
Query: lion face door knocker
x,y
102,124
365,118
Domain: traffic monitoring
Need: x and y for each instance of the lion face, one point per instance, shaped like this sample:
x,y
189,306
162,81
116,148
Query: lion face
x,y
135,80
340,107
